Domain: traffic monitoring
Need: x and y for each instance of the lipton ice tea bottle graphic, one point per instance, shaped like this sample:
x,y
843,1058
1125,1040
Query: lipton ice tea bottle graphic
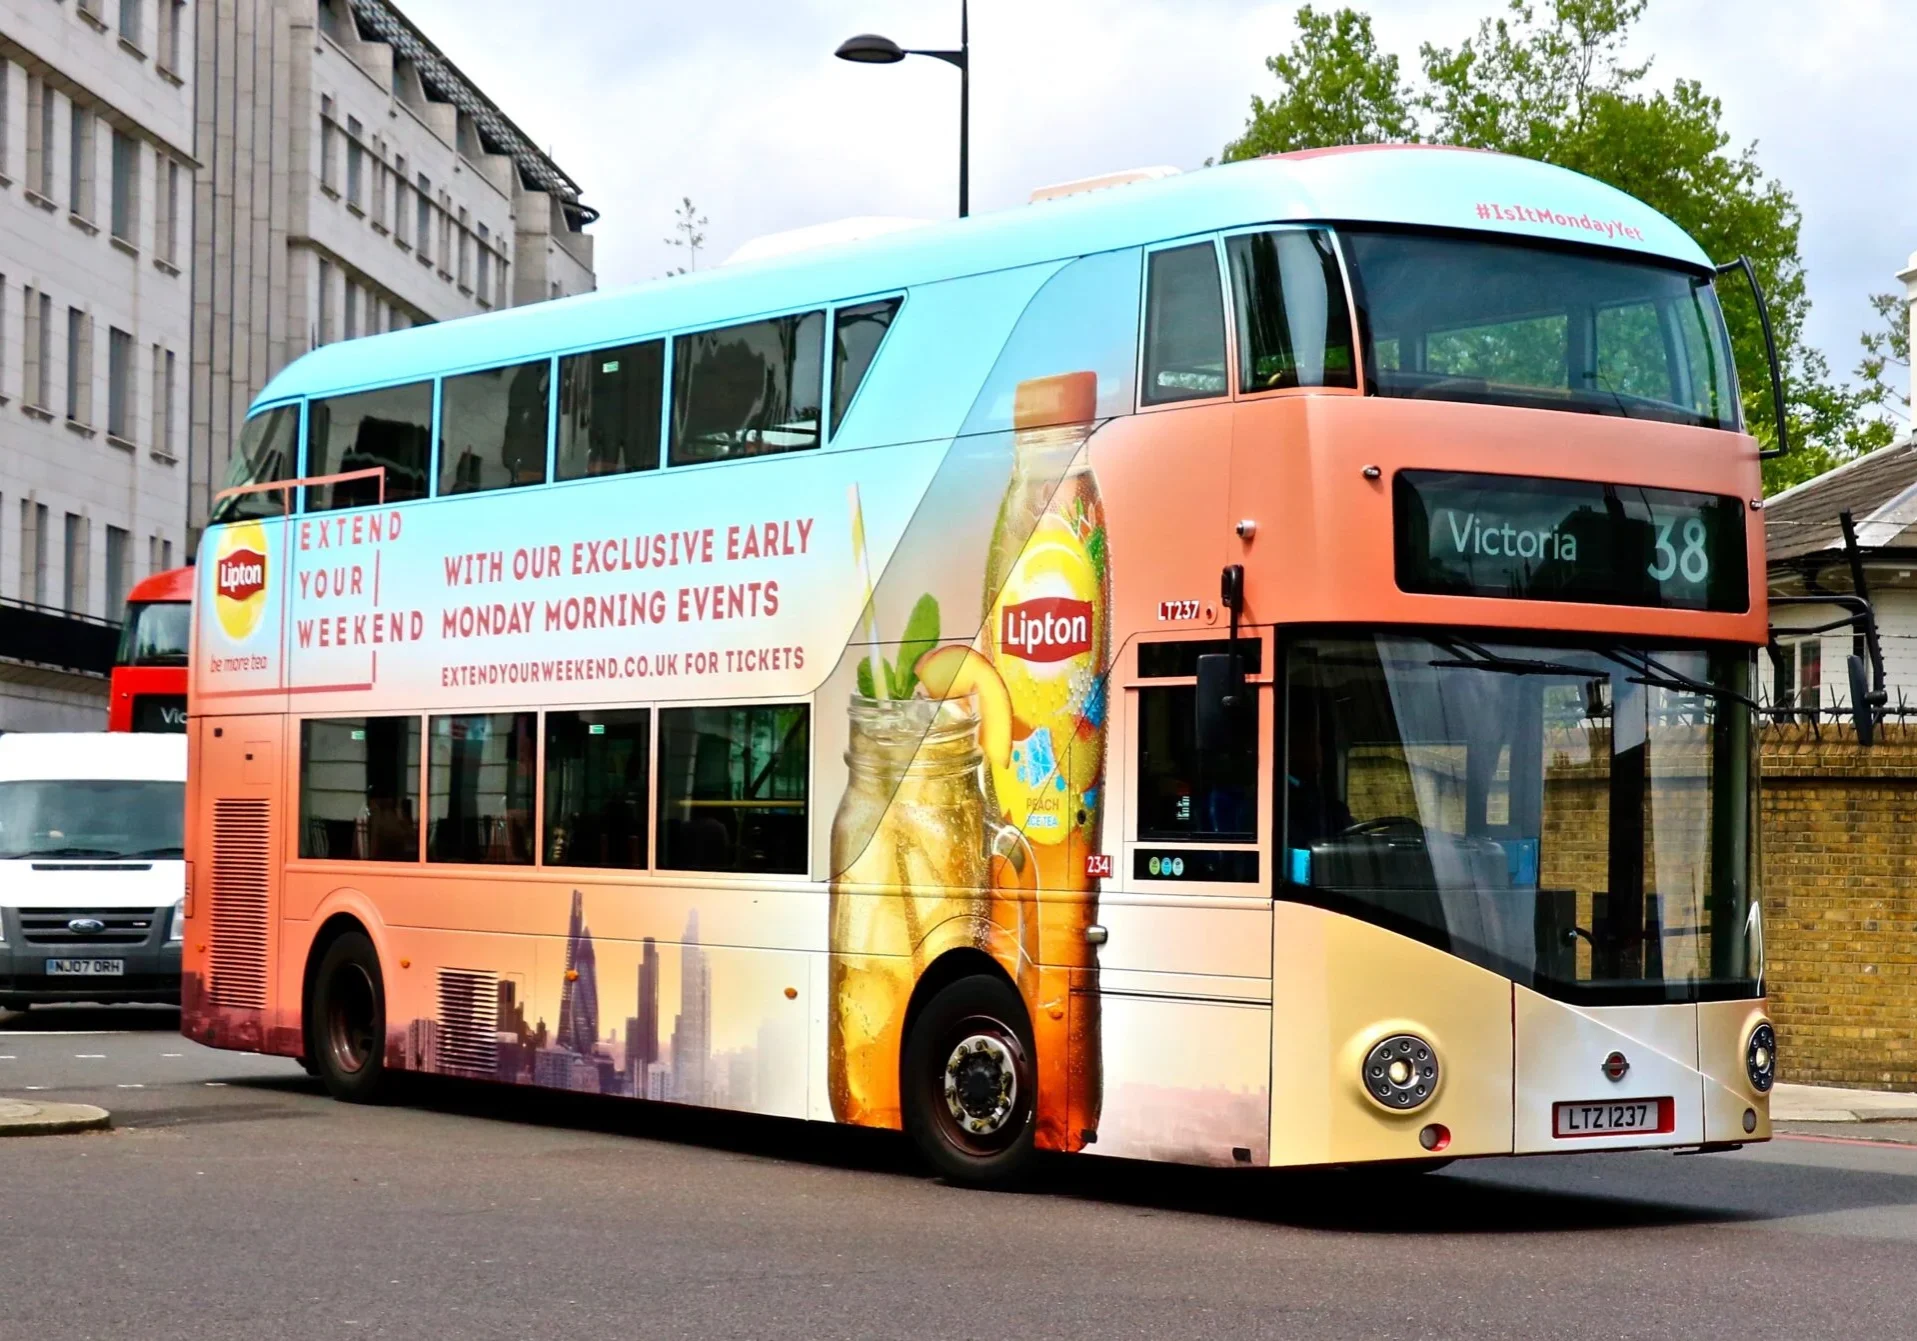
x,y
1046,609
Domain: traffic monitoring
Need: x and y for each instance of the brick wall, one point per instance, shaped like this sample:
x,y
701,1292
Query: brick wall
x,y
1840,904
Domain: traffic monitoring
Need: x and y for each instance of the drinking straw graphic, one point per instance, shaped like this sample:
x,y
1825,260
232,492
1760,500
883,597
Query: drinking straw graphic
x,y
879,686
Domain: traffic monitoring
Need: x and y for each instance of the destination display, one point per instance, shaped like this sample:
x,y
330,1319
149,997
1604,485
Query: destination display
x,y
1568,540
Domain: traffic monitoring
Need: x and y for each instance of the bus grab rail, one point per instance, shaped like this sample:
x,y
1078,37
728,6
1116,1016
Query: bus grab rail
x,y
268,486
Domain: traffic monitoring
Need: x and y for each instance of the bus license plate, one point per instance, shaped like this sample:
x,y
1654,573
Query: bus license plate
x,y
85,968
1613,1117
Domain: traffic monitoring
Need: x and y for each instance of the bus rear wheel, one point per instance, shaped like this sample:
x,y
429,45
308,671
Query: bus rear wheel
x,y
346,1021
968,1083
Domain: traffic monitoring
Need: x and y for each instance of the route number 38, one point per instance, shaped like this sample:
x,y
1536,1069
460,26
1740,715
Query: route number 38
x,y
1691,560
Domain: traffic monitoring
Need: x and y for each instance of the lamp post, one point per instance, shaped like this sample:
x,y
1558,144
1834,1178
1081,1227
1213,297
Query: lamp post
x,y
871,49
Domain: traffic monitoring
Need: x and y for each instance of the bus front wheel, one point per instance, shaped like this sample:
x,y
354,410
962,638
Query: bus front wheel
x,y
968,1083
346,1020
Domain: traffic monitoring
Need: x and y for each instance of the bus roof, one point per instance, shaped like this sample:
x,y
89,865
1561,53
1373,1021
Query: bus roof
x,y
175,584
1415,185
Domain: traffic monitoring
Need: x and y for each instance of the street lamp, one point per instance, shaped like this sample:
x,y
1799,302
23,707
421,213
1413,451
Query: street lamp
x,y
871,49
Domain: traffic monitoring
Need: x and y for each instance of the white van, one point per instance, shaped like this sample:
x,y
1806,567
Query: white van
x,y
92,870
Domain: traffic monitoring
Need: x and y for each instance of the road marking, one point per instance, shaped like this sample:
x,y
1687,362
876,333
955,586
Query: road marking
x,y
173,1054
8,1057
125,1086
55,1033
1880,1142
89,1056
36,1087
215,1084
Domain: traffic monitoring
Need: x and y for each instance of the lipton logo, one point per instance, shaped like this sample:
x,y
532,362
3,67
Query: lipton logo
x,y
241,574
1047,628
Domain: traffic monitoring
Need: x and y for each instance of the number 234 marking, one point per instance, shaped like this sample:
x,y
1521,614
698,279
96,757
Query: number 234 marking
x,y
1177,610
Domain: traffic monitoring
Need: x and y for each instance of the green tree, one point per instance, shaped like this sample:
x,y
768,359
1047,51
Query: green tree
x,y
1885,368
1550,82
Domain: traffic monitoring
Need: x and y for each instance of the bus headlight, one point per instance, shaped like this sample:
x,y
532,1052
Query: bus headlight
x,y
1401,1072
176,924
1760,1058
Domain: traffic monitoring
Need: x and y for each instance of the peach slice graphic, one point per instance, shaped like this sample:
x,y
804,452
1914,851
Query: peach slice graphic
x,y
955,670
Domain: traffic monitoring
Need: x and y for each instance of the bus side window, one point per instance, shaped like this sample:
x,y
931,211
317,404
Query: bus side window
x,y
857,333
732,788
1294,323
747,390
598,769
359,789
479,788
1186,794
609,404
492,428
391,427
1184,326
268,451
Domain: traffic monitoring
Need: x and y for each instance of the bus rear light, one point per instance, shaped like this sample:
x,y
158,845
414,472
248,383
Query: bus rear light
x,y
1401,1072
1435,1137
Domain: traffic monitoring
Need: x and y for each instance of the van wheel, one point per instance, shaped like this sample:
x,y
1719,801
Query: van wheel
x,y
346,1021
968,1083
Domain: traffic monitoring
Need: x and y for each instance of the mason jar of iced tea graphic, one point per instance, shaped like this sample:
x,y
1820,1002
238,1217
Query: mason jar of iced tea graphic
x,y
1046,610
916,852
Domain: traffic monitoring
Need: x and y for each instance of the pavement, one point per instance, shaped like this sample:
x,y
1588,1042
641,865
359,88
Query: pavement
x,y
232,1198
1826,1103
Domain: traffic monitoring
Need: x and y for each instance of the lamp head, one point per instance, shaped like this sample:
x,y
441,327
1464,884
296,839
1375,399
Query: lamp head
x,y
870,49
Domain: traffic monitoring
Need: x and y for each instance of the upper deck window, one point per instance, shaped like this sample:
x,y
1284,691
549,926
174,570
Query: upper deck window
x,y
1184,326
268,451
609,406
492,428
748,390
391,427
856,335
1294,324
1506,323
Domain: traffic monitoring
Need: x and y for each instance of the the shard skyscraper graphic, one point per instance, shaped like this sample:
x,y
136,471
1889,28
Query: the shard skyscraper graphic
x,y
579,993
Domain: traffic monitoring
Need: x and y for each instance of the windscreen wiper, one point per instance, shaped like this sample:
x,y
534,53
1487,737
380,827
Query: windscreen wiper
x,y
1467,654
1657,675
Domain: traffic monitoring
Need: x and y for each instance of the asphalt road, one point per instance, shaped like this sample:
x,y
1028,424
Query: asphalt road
x,y
234,1200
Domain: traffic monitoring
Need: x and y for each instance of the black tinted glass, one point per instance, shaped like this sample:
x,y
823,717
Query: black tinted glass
x,y
480,785
856,335
732,788
359,788
492,428
1294,321
609,406
748,390
391,427
1183,792
1184,326
597,766
156,633
268,450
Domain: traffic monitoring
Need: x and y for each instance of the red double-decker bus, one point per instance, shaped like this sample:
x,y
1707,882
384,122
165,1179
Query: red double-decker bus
x,y
148,690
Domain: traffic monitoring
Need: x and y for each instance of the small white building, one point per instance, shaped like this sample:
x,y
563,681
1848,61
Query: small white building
x,y
353,182
96,226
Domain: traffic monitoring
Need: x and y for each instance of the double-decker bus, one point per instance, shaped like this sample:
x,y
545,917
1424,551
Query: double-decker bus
x,y
147,690
1248,668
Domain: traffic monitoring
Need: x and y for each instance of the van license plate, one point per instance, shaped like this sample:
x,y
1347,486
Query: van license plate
x,y
85,968
1614,1117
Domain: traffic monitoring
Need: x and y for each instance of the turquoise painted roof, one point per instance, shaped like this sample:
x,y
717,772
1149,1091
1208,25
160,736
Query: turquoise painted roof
x,y
1414,185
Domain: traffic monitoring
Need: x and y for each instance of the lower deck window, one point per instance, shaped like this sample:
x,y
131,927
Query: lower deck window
x,y
359,788
732,788
480,788
598,765
1184,793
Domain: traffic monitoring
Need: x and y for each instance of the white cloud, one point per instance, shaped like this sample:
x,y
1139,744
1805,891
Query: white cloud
x,y
739,104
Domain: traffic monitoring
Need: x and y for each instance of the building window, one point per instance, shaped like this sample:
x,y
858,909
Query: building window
x,y
391,427
359,789
492,428
1184,326
40,114
423,231
33,552
166,221
75,576
355,162
119,570
119,382
484,284
609,408
130,21
400,186
856,335
465,271
80,164
6,114
161,407
1798,678
480,778
499,281
747,390
329,150
38,381
172,17
79,366
125,208
323,330
598,768
732,788
351,329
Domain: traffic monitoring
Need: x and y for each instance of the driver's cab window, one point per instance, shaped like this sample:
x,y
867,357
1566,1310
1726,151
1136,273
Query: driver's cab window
x,y
1186,794
267,452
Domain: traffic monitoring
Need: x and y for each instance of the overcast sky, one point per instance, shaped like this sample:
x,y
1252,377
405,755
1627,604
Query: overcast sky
x,y
740,105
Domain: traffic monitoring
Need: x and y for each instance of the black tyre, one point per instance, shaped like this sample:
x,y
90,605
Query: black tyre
x,y
346,1021
968,1084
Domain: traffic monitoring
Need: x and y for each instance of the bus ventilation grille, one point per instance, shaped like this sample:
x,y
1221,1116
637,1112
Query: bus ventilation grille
x,y
241,865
